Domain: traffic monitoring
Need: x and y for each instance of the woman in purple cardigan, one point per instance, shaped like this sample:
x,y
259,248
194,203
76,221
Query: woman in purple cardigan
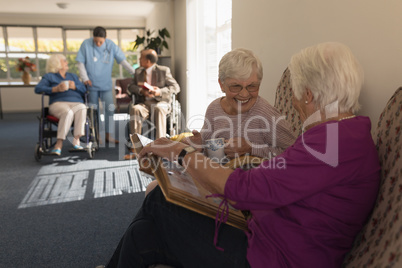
x,y
305,211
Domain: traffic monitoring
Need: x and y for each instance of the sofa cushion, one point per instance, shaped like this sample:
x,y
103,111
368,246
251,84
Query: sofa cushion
x,y
283,102
379,244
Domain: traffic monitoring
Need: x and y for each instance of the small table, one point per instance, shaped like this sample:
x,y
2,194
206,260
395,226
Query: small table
x,y
11,85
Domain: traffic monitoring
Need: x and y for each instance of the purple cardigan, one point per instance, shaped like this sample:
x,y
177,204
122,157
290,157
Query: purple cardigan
x,y
309,203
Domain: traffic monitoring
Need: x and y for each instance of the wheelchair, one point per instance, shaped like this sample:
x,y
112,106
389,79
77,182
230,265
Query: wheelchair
x,y
48,132
174,121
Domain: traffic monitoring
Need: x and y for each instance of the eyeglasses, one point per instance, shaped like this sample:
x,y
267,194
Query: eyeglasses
x,y
238,88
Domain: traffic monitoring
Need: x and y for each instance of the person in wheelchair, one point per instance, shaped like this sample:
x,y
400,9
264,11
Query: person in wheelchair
x,y
66,100
154,100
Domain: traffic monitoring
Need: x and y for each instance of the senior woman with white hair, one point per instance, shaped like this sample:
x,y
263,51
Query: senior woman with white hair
x,y
304,214
66,100
248,123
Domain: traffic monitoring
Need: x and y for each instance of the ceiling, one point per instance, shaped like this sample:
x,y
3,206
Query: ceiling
x,y
122,8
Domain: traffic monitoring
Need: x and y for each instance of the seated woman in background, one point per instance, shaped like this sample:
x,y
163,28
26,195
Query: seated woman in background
x,y
66,100
305,213
249,124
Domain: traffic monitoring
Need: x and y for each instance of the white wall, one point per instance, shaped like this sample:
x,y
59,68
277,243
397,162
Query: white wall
x,y
20,99
180,48
172,15
275,30
163,16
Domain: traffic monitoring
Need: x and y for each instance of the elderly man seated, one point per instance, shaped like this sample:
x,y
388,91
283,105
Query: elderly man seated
x,y
153,86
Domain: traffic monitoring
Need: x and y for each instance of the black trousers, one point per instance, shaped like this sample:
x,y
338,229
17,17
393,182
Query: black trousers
x,y
163,233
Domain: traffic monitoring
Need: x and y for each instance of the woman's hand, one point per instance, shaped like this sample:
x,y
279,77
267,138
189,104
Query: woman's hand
x,y
210,174
71,84
164,148
194,141
60,87
88,83
237,146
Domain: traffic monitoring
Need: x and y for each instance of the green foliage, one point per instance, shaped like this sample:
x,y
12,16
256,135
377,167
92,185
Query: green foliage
x,y
73,45
72,64
3,68
151,42
133,61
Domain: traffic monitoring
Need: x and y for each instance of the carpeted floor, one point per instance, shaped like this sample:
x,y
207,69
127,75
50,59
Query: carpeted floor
x,y
67,211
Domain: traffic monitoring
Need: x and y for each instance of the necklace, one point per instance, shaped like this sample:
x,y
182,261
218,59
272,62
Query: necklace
x,y
340,119
346,117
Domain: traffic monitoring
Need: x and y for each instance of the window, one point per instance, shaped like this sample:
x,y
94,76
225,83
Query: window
x,y
127,38
3,64
50,40
74,38
209,37
19,44
39,42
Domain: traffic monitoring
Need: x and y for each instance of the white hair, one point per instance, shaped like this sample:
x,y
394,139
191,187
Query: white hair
x,y
53,64
239,63
331,72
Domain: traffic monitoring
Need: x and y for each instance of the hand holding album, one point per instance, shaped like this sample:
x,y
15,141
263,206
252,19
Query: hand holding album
x,y
180,188
149,90
146,86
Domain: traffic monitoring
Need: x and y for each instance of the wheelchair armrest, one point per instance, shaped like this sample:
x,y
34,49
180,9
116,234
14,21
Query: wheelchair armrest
x,y
86,96
43,114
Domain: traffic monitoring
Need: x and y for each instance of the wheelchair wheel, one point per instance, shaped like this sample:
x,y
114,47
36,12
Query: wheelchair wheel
x,y
91,150
93,128
38,152
175,119
47,144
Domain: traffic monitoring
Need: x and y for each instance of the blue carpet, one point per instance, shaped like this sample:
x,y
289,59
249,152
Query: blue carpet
x,y
67,211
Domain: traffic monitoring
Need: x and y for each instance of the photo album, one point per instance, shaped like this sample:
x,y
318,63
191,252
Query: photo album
x,y
181,189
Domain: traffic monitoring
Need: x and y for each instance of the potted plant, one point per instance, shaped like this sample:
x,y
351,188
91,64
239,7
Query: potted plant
x,y
156,43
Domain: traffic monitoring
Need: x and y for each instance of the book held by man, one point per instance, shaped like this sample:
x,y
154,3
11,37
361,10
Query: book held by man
x,y
145,85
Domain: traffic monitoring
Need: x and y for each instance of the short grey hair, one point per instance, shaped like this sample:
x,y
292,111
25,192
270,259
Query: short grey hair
x,y
53,64
239,63
331,72
150,55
